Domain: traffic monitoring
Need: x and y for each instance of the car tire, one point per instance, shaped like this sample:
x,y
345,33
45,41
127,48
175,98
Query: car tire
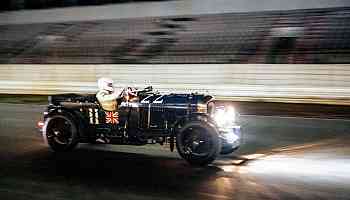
x,y
198,143
61,132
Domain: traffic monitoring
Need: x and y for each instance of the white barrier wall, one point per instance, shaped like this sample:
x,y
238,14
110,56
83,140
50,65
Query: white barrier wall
x,y
254,81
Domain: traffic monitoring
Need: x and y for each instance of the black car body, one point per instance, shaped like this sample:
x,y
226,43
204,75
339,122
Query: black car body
x,y
188,121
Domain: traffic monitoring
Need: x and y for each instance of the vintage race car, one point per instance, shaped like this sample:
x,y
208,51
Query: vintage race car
x,y
199,128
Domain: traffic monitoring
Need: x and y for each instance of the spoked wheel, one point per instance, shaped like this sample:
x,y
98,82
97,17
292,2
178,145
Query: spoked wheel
x,y
60,132
198,143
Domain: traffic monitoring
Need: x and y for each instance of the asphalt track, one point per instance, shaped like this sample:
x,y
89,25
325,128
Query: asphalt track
x,y
282,158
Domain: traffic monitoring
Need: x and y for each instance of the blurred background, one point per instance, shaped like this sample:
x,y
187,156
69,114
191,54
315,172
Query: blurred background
x,y
312,36
35,4
289,50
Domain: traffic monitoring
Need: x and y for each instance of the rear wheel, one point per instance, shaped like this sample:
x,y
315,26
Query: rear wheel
x,y
198,143
61,133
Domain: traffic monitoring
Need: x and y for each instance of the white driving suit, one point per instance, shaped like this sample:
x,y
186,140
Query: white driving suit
x,y
107,100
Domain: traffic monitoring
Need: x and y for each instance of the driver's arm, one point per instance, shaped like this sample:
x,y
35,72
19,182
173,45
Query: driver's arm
x,y
104,96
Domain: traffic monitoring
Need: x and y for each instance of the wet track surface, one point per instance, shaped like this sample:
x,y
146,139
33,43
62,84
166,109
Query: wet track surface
x,y
282,158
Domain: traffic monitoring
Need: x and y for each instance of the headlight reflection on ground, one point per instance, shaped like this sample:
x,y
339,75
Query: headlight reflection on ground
x,y
236,165
310,166
283,164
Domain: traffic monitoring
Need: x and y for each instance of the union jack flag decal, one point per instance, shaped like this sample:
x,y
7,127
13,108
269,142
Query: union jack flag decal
x,y
112,117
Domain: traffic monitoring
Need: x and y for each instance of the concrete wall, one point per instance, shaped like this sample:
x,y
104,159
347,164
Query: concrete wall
x,y
320,83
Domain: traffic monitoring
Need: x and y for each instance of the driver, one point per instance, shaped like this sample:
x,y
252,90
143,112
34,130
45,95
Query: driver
x,y
106,95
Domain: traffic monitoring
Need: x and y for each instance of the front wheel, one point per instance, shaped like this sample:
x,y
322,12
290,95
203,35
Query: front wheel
x,y
60,133
198,143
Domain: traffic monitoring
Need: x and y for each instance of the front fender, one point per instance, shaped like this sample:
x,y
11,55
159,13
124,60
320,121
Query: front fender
x,y
228,146
194,117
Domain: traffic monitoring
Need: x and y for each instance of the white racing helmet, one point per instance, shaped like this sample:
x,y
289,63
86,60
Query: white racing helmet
x,y
105,84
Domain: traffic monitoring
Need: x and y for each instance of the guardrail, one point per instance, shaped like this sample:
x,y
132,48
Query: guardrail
x,y
257,82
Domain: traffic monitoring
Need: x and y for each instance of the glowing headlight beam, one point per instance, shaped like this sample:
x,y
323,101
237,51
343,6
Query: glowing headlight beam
x,y
225,117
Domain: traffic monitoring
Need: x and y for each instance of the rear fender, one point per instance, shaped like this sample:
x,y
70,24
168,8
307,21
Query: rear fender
x,y
78,118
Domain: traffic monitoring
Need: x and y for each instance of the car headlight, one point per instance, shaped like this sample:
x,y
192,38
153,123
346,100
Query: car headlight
x,y
225,117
